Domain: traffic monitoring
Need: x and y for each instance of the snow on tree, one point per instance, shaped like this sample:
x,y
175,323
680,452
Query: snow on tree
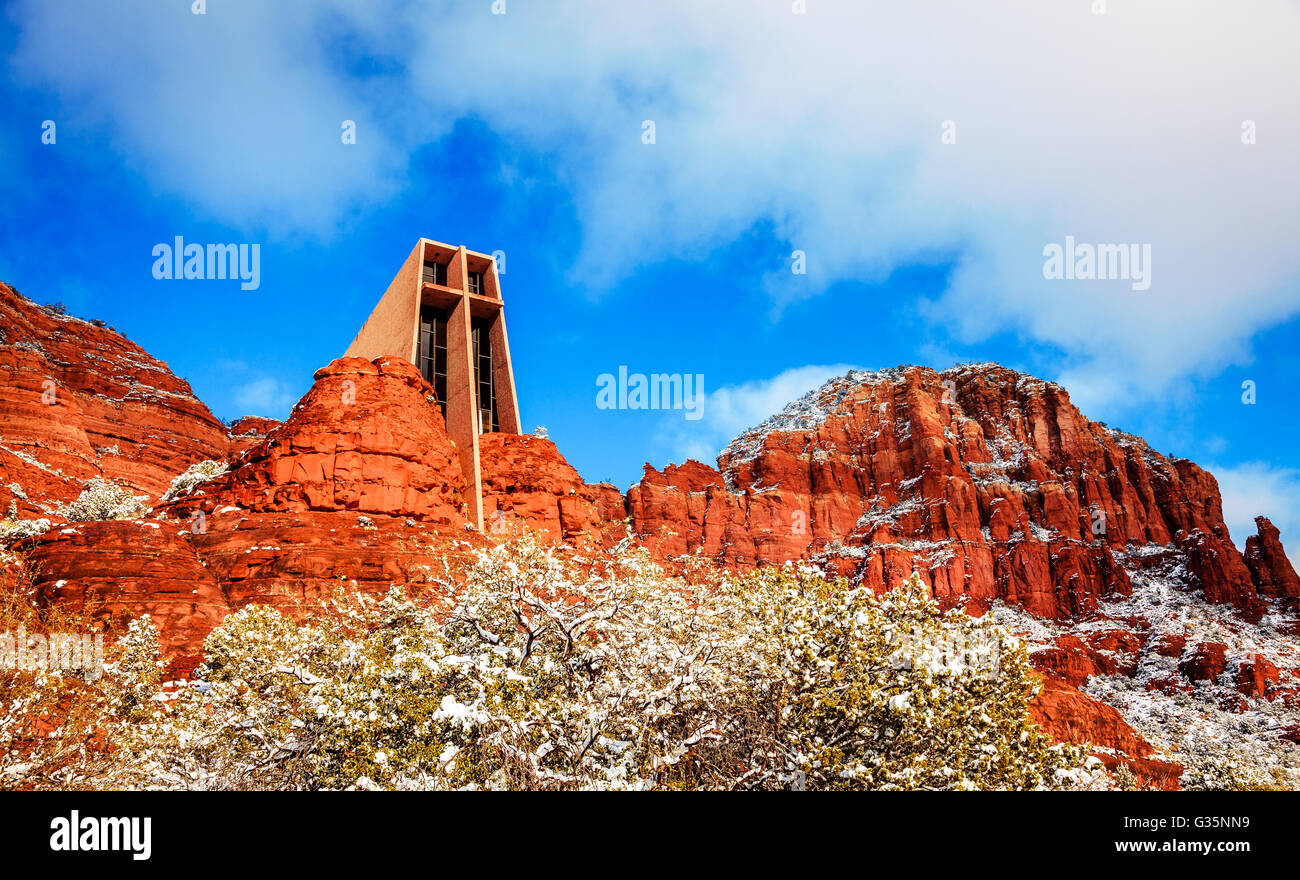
x,y
103,500
534,668
13,529
196,473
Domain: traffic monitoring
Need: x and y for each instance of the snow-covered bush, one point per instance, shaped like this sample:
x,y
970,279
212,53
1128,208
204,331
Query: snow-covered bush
x,y
194,474
538,670
856,691
103,500
58,727
1225,770
13,529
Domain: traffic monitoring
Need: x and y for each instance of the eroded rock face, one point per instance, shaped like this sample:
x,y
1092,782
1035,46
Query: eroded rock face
x,y
989,484
1109,558
248,432
81,401
367,438
294,561
527,482
1205,662
1269,568
1070,716
359,490
116,571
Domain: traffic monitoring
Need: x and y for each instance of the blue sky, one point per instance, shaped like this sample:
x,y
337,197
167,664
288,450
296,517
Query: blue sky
x,y
774,132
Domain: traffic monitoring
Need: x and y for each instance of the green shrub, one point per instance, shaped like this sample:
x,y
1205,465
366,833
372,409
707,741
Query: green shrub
x,y
539,670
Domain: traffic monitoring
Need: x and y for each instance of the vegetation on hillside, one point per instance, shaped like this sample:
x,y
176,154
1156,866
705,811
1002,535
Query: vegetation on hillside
x,y
536,669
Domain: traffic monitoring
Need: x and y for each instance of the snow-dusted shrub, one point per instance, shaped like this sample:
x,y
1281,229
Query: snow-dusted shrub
x,y
58,726
853,691
103,500
14,529
1227,770
194,474
540,671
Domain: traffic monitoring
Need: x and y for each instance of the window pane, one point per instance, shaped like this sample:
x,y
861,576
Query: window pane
x,y
435,273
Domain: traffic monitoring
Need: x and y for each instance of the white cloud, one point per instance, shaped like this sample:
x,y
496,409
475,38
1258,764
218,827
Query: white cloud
x,y
1258,489
733,409
1123,127
266,396
239,110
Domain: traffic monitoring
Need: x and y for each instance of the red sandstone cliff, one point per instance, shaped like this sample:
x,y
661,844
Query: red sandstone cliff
x,y
359,488
1269,568
991,485
1111,559
526,481
81,400
249,431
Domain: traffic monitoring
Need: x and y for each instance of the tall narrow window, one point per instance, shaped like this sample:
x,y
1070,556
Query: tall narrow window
x,y
435,273
487,400
433,352
476,282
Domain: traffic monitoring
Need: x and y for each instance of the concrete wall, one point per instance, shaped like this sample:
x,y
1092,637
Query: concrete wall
x,y
462,404
503,377
394,325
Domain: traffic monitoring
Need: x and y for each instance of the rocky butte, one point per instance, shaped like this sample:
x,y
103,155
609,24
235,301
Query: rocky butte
x,y
1157,638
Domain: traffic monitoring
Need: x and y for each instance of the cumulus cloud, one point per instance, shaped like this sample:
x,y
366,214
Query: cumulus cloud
x,y
826,128
733,409
239,110
266,396
1259,489
1116,128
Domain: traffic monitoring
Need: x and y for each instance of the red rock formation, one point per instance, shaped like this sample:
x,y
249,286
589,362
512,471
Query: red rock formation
x,y
987,483
1257,677
120,570
367,438
1205,662
293,561
1069,716
1269,568
358,490
29,488
1067,659
248,432
81,400
188,581
1169,645
990,485
526,480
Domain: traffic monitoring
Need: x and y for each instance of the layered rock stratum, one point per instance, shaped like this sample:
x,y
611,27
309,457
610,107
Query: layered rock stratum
x,y
81,401
1158,640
